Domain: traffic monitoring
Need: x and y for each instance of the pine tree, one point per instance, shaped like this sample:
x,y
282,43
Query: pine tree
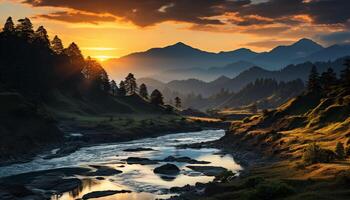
x,y
114,88
9,26
314,80
157,97
130,84
143,91
73,51
41,36
340,151
25,28
56,45
103,76
177,102
122,90
328,79
345,74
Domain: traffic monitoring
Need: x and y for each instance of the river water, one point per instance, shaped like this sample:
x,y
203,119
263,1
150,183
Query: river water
x,y
138,178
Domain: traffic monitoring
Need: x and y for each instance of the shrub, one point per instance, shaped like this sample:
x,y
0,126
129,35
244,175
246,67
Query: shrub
x,y
265,112
343,178
271,190
315,154
253,182
347,151
225,177
339,150
246,120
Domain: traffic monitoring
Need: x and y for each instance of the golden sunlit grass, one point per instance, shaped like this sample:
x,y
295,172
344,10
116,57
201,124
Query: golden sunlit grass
x,y
205,119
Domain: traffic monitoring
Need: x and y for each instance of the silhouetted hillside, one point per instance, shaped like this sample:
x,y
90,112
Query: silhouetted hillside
x,y
263,93
43,84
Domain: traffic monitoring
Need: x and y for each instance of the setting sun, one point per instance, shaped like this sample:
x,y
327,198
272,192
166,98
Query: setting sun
x,y
102,58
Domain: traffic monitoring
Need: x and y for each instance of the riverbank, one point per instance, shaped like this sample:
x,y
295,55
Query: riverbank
x,y
109,166
270,176
272,148
88,131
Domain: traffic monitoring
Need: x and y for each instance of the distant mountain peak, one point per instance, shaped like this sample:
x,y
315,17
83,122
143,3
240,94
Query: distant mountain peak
x,y
222,77
306,42
179,45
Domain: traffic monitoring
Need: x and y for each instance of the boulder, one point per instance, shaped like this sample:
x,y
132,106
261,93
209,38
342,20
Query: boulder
x,y
138,149
168,169
103,171
98,194
141,161
208,170
184,160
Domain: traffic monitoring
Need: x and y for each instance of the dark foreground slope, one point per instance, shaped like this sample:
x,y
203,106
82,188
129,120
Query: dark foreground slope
x,y
298,151
24,127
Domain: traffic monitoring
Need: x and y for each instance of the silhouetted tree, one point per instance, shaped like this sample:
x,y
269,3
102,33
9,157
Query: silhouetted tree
x,y
345,74
157,97
114,88
130,84
73,51
143,91
25,28
56,45
9,26
122,90
177,102
41,36
328,79
314,80
96,75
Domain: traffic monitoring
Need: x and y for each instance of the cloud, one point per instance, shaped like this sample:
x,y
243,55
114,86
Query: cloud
x,y
336,37
259,17
150,12
266,31
77,17
268,43
145,13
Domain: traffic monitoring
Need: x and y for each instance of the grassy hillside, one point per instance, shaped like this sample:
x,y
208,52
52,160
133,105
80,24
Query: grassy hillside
x,y
299,150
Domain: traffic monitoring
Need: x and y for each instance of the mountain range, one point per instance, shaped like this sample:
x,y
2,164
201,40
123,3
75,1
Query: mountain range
x,y
206,89
181,61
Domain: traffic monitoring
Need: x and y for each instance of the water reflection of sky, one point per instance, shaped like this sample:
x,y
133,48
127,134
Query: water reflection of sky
x,y
138,178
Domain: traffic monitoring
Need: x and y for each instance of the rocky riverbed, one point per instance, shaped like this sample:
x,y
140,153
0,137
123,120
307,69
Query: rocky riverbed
x,y
141,169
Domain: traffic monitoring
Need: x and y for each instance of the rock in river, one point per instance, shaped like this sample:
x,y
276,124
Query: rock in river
x,y
103,171
184,160
208,170
169,169
141,161
138,149
98,194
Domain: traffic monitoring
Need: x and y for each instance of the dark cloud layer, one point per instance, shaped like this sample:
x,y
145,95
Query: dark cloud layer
x,y
145,13
77,17
149,12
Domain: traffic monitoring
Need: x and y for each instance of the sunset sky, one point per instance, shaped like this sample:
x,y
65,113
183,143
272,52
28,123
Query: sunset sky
x,y
113,28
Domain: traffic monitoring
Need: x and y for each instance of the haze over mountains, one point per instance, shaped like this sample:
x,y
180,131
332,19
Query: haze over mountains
x,y
180,61
206,89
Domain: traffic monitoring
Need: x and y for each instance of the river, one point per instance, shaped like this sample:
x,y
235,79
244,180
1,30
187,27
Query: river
x,y
140,179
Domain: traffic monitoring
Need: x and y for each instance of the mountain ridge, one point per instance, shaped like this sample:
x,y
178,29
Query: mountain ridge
x,y
181,61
